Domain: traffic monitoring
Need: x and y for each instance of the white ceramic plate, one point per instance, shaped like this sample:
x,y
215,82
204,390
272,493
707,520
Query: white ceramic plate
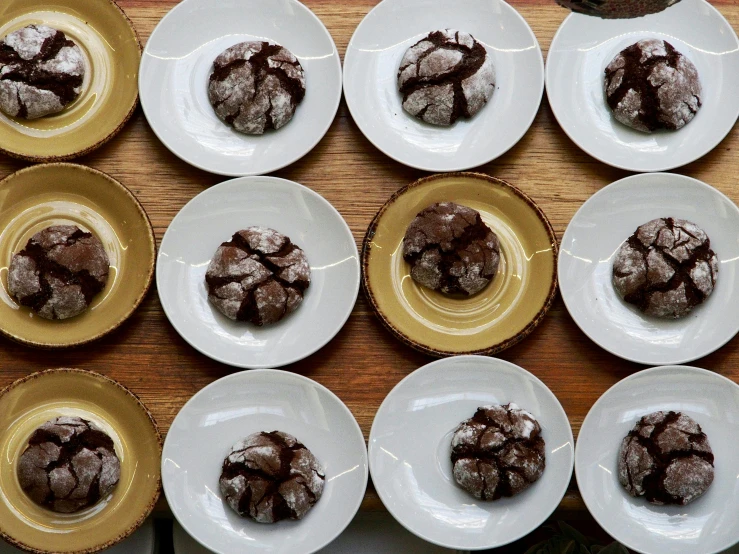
x,y
370,82
585,45
210,219
585,267
706,525
244,403
174,74
141,542
410,449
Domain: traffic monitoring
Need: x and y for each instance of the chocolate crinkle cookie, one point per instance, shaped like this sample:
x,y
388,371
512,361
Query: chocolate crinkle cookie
x,y
271,476
59,272
445,76
498,452
256,86
41,72
666,268
258,276
617,9
69,465
666,458
651,86
450,249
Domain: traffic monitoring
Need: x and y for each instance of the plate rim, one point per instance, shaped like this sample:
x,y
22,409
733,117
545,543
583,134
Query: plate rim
x,y
279,373
661,169
349,53
253,180
667,370
628,179
430,350
214,169
490,362
157,431
87,149
152,251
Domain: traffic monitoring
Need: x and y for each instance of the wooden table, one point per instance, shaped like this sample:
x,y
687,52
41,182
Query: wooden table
x,y
364,362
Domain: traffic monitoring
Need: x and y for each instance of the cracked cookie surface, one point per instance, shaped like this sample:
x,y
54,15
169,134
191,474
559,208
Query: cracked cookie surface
x,y
666,268
651,86
258,276
271,476
450,249
445,76
59,272
617,9
69,465
256,86
498,452
41,72
666,458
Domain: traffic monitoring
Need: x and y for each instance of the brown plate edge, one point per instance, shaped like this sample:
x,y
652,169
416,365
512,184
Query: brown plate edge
x,y
149,278
494,349
109,136
158,433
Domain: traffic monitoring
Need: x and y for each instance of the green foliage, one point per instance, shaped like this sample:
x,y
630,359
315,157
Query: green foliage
x,y
568,540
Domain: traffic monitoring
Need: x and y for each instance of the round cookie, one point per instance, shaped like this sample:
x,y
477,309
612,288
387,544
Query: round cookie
x,y
258,276
271,476
69,465
617,9
498,452
666,268
41,72
59,272
651,86
445,76
666,458
450,249
256,86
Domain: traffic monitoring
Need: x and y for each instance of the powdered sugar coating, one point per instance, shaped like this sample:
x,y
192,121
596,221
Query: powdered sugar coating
x,y
666,268
498,452
445,76
650,86
41,72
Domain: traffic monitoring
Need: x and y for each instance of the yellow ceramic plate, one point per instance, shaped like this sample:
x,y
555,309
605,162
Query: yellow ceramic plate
x,y
43,195
31,401
110,90
499,316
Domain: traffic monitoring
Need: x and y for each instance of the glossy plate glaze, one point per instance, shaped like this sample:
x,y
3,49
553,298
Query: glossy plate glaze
x,y
584,46
212,218
595,234
61,193
35,399
499,316
110,90
706,525
248,402
370,82
174,82
410,449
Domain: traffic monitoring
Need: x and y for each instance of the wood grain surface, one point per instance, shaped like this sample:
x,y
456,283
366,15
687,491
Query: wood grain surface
x,y
364,362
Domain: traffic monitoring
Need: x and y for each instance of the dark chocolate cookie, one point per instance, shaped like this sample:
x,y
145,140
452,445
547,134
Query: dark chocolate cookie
x,y
450,249
651,86
617,9
256,86
666,458
41,71
59,272
445,76
666,268
258,276
271,476
69,465
498,452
